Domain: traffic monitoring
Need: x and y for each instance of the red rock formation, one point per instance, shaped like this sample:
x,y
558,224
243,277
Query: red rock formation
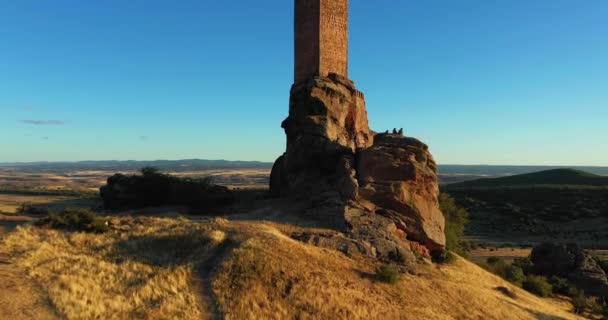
x,y
398,174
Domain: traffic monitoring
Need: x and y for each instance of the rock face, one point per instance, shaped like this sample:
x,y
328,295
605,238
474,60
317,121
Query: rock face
x,y
327,123
572,262
139,191
380,189
398,174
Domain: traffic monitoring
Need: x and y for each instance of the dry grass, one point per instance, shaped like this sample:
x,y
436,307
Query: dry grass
x,y
147,269
143,272
273,277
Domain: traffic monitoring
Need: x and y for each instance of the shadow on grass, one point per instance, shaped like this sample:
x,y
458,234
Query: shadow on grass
x,y
537,314
163,250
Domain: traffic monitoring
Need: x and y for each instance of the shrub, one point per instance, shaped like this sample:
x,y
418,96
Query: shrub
x,y
579,301
29,209
495,265
560,285
389,274
525,264
537,285
75,219
443,256
456,218
514,274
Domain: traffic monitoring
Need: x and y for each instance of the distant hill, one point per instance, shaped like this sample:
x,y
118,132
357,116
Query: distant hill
x,y
501,170
556,177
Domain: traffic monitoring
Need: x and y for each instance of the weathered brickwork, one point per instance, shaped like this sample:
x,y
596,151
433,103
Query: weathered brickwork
x,y
321,38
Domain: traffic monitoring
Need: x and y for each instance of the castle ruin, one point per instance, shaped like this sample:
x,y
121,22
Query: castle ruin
x,y
379,189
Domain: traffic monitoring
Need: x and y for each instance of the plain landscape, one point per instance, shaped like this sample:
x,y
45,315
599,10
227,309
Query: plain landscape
x,y
251,279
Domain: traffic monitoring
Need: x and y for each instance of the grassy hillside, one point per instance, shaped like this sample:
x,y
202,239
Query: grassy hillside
x,y
556,177
163,268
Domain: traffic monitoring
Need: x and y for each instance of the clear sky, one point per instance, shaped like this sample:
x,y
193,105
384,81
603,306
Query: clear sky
x,y
482,82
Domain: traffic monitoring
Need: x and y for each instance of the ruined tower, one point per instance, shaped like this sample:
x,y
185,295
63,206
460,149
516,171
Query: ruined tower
x,y
381,189
321,38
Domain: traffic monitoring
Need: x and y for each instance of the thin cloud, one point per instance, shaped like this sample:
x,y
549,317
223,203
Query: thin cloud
x,y
44,122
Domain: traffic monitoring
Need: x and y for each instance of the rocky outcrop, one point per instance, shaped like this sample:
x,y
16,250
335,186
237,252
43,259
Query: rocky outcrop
x,y
381,190
398,175
571,262
154,189
327,123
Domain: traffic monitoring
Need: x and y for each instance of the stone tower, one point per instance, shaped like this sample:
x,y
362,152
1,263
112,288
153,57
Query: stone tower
x,y
321,38
380,189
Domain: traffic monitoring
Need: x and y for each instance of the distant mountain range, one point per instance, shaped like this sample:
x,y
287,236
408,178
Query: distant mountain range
x,y
473,171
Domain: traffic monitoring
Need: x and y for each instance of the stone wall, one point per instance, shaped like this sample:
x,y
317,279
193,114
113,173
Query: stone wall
x,y
321,38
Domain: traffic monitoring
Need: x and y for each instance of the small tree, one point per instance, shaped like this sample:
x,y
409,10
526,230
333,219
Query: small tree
x,y
514,274
456,218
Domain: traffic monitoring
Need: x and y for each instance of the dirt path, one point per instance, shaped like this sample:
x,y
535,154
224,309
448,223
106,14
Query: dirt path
x,y
204,280
20,298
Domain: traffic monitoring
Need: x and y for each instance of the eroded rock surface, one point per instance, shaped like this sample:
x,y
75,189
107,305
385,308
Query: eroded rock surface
x,y
327,123
379,189
398,175
572,262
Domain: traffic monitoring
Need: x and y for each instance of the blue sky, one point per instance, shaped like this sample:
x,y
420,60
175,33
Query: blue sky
x,y
482,82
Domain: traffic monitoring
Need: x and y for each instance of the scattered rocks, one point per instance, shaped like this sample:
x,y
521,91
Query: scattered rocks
x,y
571,262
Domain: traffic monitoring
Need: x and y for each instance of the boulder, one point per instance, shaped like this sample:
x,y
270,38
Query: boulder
x,y
398,174
571,262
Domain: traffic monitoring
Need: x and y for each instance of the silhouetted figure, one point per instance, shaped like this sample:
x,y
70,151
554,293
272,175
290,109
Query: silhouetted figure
x,y
386,132
401,131
394,130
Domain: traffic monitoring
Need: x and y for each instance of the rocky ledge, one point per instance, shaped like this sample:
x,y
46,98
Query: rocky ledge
x,y
379,189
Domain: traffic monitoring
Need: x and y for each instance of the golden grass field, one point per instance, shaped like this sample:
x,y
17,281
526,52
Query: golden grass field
x,y
178,268
155,264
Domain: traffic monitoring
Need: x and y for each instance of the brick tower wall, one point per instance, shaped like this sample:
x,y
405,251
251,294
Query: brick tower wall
x,y
321,38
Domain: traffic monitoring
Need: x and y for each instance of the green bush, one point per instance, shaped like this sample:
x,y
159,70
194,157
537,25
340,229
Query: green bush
x,y
443,256
579,301
456,218
514,274
495,265
560,285
389,274
537,285
525,264
75,219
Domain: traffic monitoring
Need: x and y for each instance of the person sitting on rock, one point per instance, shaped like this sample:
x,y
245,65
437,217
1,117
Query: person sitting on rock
x,y
401,131
394,130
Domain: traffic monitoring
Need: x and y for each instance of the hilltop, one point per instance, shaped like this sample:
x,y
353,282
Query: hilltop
x,y
565,205
554,177
238,269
